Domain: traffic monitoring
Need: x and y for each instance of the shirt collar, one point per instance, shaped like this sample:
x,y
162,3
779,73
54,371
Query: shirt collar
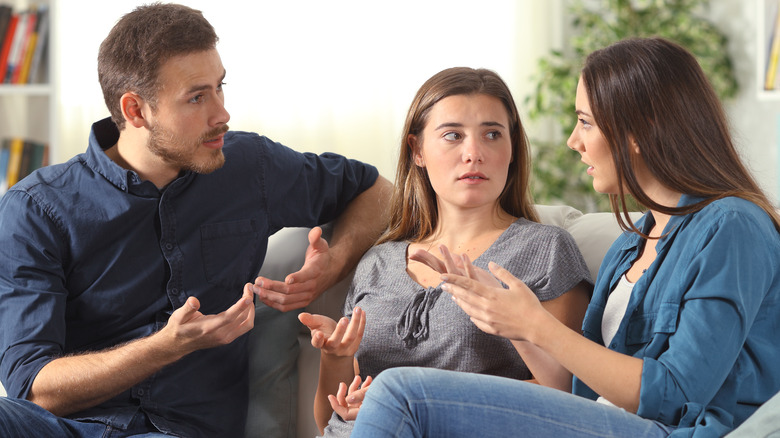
x,y
104,135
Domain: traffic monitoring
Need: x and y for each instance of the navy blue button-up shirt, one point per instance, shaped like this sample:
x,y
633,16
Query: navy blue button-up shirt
x,y
704,318
91,257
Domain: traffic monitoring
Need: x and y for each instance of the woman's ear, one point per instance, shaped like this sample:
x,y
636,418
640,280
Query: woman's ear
x,y
634,146
414,149
132,106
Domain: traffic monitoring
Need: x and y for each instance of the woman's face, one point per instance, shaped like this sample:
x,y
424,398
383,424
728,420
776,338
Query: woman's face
x,y
587,139
466,149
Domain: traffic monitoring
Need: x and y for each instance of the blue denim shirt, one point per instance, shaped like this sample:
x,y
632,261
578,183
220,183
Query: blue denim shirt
x,y
91,257
705,317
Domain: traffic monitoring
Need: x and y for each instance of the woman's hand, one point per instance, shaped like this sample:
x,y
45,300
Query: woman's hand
x,y
347,402
337,339
504,312
453,264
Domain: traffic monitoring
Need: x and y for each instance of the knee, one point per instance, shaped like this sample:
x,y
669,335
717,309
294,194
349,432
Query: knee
x,y
399,384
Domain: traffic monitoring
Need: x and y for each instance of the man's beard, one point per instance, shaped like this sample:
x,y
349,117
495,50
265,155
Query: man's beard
x,y
181,153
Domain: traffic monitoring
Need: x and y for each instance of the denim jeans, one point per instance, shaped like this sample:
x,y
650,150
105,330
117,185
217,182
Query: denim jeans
x,y
24,419
419,402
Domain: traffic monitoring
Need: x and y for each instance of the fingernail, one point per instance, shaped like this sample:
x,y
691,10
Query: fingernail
x,y
256,289
444,277
445,287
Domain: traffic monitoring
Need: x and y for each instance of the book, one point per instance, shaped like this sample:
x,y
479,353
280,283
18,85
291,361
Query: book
x,y
28,47
41,46
5,18
7,43
14,160
16,46
774,54
5,152
37,156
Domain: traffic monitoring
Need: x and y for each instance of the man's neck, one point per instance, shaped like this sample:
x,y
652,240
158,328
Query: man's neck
x,y
135,156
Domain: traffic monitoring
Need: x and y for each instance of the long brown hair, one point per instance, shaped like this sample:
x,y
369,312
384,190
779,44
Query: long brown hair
x,y
653,92
413,209
137,46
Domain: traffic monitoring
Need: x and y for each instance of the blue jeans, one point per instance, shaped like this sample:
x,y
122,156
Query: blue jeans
x,y
418,402
24,419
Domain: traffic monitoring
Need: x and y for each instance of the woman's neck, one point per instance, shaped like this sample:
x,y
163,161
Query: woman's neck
x,y
463,229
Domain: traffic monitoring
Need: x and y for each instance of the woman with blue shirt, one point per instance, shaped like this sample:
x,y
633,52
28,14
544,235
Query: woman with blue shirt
x,y
680,335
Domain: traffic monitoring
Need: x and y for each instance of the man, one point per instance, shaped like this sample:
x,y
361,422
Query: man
x,y
124,273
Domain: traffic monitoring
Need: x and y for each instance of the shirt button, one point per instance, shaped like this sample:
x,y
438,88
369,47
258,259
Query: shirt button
x,y
140,392
169,246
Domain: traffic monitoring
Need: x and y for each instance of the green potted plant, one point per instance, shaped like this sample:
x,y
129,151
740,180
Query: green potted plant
x,y
559,177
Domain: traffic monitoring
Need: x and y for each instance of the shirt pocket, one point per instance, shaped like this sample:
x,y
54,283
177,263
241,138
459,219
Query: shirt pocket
x,y
228,250
642,327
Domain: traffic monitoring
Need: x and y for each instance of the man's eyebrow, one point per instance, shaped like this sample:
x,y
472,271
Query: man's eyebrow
x,y
202,87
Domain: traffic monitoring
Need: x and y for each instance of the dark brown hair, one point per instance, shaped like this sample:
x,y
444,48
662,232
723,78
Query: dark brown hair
x,y
653,92
141,41
413,208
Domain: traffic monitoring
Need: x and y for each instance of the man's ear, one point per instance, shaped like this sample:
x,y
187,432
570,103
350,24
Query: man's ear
x,y
414,149
132,105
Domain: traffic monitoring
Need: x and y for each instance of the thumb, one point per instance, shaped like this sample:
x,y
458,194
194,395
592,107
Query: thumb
x,y
503,275
187,311
316,241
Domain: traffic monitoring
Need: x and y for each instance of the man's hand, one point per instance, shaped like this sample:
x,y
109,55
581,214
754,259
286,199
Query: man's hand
x,y
76,382
193,330
302,287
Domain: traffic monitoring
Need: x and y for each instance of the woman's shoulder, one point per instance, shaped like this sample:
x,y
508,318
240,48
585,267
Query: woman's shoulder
x,y
735,211
523,228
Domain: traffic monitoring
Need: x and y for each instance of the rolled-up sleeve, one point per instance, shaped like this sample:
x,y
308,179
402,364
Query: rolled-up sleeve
x,y
32,292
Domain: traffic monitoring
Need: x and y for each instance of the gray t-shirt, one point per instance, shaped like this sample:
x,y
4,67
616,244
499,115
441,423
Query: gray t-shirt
x,y
410,325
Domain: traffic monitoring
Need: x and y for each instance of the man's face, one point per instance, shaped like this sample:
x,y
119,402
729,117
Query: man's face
x,y
190,120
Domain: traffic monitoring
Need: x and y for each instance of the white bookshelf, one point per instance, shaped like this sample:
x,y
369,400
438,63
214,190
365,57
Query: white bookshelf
x,y
29,110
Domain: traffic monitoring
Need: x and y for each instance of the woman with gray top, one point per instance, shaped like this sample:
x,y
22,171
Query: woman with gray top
x,y
461,185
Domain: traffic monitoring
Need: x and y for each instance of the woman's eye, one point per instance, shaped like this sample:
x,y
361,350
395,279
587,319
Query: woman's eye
x,y
452,136
493,135
584,123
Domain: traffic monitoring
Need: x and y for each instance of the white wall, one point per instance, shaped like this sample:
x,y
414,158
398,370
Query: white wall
x,y
754,122
340,75
316,76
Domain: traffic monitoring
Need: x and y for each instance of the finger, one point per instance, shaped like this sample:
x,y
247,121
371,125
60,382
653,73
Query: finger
x,y
355,385
334,404
284,302
504,275
341,396
448,260
316,245
468,268
429,260
266,284
338,332
187,311
355,328
318,340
